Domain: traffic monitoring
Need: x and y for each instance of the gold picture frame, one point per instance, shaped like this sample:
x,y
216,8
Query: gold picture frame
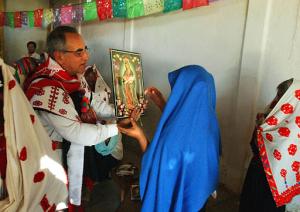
x,y
128,84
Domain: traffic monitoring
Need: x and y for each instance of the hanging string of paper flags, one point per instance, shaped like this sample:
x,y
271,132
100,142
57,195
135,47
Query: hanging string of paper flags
x,y
92,10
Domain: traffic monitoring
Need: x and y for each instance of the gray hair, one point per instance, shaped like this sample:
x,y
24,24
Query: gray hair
x,y
56,40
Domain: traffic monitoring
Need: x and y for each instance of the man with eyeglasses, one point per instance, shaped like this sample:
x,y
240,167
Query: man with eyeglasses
x,y
54,92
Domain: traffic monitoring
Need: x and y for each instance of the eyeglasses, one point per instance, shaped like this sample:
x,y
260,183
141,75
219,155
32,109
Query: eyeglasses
x,y
79,52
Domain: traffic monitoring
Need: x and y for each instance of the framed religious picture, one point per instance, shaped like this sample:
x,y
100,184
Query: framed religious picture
x,y
127,81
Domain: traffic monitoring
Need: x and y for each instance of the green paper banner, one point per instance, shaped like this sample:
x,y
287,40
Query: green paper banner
x,y
10,19
171,5
153,6
47,17
90,11
30,15
119,8
135,8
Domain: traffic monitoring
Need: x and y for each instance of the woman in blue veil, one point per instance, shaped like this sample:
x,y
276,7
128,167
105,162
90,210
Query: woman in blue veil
x,y
180,166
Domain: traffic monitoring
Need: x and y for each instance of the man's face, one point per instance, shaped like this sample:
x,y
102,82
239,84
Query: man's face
x,y
31,48
91,79
75,56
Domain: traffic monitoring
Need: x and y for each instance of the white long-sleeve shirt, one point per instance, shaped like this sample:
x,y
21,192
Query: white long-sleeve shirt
x,y
59,127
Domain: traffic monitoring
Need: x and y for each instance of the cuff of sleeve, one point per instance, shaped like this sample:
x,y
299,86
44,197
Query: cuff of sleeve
x,y
107,131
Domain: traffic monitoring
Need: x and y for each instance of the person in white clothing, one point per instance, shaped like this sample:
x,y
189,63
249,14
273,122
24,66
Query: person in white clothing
x,y
54,91
32,179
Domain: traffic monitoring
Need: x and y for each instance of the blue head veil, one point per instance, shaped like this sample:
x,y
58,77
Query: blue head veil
x,y
180,166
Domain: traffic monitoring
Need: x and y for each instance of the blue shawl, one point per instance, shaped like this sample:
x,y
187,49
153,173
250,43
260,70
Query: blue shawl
x,y
181,165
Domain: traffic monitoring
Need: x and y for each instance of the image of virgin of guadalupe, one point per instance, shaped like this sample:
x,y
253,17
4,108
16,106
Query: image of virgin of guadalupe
x,y
127,81
129,84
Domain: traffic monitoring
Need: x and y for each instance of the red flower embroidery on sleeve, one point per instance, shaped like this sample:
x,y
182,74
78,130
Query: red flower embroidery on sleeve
x,y
62,111
269,137
37,103
272,120
38,177
23,154
284,131
287,108
296,166
277,154
283,173
297,121
66,98
11,84
40,92
292,149
297,94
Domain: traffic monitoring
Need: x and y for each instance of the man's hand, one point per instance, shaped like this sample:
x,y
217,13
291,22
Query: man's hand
x,y
134,131
156,96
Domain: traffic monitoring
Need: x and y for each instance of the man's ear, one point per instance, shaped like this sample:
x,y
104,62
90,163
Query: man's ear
x,y
58,56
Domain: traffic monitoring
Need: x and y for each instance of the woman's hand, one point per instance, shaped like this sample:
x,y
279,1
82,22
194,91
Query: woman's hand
x,y
133,130
156,96
136,113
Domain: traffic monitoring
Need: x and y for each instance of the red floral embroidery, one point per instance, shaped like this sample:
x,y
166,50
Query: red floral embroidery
x,y
53,97
297,121
272,120
66,99
287,108
37,103
284,131
296,166
277,154
283,173
11,84
23,154
32,118
45,203
297,94
40,92
292,149
62,111
269,137
38,177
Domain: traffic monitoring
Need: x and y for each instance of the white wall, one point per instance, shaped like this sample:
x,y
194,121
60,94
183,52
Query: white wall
x,y
209,36
15,39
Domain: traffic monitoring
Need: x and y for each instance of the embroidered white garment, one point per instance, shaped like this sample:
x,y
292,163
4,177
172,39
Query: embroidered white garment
x,y
55,100
35,179
61,120
279,147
